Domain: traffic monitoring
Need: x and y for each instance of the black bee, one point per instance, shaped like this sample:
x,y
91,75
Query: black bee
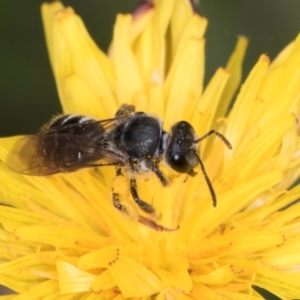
x,y
133,142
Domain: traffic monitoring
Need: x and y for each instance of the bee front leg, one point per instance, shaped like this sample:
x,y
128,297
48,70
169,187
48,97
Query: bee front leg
x,y
162,178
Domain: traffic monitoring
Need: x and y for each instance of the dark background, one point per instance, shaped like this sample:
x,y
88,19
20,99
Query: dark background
x,y
28,96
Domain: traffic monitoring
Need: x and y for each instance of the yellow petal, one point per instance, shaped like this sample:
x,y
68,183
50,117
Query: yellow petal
x,y
39,290
161,19
210,100
181,90
185,25
285,53
133,279
48,16
243,107
234,67
277,281
230,203
7,297
100,258
102,282
74,52
129,85
220,276
72,279
176,274
255,241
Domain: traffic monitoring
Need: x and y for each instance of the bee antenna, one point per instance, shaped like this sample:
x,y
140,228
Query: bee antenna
x,y
218,134
208,182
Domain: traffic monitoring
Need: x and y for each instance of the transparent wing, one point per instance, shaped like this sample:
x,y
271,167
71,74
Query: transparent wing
x,y
66,148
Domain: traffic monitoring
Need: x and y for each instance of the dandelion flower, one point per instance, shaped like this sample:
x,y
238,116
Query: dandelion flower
x,y
61,237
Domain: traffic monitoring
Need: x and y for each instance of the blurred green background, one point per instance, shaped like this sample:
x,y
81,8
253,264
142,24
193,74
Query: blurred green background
x,y
28,94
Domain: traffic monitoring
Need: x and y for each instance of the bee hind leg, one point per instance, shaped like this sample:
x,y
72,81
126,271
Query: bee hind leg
x,y
117,204
149,208
116,196
144,206
152,224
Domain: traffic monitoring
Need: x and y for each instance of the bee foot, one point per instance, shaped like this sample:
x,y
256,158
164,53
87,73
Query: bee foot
x,y
154,225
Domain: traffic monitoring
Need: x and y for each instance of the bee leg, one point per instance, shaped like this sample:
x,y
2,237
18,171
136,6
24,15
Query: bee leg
x,y
117,204
116,196
192,173
164,181
147,208
154,225
125,110
141,219
119,172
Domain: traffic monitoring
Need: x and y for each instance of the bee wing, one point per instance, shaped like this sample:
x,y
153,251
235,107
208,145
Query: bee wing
x,y
24,158
64,148
27,158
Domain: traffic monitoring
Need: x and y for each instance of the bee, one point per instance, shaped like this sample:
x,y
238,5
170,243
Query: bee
x,y
134,142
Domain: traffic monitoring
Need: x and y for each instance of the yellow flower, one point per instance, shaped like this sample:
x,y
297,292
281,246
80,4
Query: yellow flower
x,y
61,237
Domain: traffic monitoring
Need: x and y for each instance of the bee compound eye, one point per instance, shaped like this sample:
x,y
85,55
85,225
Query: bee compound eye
x,y
179,163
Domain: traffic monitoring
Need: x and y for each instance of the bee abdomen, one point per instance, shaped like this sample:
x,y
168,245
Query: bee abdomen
x,y
67,120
